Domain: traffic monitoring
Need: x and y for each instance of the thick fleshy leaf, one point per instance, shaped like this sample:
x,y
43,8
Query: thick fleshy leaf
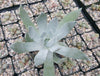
x,y
49,65
52,25
44,37
22,47
62,44
42,23
61,33
40,57
58,60
25,18
27,38
72,16
33,34
55,47
72,53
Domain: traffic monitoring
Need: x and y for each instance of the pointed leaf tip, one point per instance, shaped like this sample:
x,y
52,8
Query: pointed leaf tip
x,y
22,47
72,16
25,18
72,53
40,57
42,23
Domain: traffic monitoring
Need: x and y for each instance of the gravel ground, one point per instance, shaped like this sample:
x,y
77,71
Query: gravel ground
x,y
82,37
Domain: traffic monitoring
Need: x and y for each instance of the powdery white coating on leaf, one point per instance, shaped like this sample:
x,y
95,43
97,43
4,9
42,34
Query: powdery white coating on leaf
x,y
72,16
40,57
25,18
51,27
58,60
46,38
72,53
49,65
34,34
42,23
27,38
60,33
21,47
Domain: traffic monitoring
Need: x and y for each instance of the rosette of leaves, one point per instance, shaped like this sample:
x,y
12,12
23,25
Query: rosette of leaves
x,y
46,38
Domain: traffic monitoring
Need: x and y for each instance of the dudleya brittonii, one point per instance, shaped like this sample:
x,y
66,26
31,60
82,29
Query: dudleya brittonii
x,y
46,38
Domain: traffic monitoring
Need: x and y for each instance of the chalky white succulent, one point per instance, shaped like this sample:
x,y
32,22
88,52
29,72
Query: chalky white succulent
x,y
46,38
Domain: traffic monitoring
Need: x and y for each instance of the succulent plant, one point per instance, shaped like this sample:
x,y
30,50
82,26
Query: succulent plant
x,y
46,39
